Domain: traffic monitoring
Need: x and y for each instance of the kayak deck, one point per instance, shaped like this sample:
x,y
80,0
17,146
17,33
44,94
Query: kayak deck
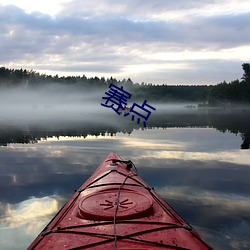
x,y
116,209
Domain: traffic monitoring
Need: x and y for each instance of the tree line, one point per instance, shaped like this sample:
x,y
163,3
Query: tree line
x,y
236,91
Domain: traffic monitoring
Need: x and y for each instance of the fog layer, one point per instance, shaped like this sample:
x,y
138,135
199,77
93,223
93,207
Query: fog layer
x,y
54,102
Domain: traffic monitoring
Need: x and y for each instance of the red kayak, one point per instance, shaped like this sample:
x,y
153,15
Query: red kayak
x,y
116,209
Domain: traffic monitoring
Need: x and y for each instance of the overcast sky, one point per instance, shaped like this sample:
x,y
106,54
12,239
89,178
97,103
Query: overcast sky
x,y
157,41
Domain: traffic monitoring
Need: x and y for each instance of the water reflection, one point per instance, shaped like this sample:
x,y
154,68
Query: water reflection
x,y
108,123
21,221
31,210
195,167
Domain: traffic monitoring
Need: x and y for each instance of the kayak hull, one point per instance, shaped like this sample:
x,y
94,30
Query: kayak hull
x,y
116,209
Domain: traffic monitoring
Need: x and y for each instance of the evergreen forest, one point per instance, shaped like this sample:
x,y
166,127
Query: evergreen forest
x,y
224,93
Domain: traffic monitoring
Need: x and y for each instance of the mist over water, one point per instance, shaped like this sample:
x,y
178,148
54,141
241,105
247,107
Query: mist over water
x,y
60,103
192,157
57,110
49,103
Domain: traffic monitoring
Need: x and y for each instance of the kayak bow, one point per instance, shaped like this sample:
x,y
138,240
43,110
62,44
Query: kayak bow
x,y
116,209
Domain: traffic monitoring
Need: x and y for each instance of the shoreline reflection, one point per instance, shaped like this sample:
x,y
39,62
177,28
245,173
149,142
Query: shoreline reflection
x,y
102,124
201,172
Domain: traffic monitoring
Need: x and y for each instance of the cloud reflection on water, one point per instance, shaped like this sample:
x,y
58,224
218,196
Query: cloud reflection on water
x,y
29,211
207,184
21,222
234,156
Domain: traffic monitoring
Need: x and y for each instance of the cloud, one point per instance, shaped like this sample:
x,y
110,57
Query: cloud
x,y
147,9
229,204
25,220
29,210
115,38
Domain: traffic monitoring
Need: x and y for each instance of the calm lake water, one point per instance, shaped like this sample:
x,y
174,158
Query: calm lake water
x,y
197,160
